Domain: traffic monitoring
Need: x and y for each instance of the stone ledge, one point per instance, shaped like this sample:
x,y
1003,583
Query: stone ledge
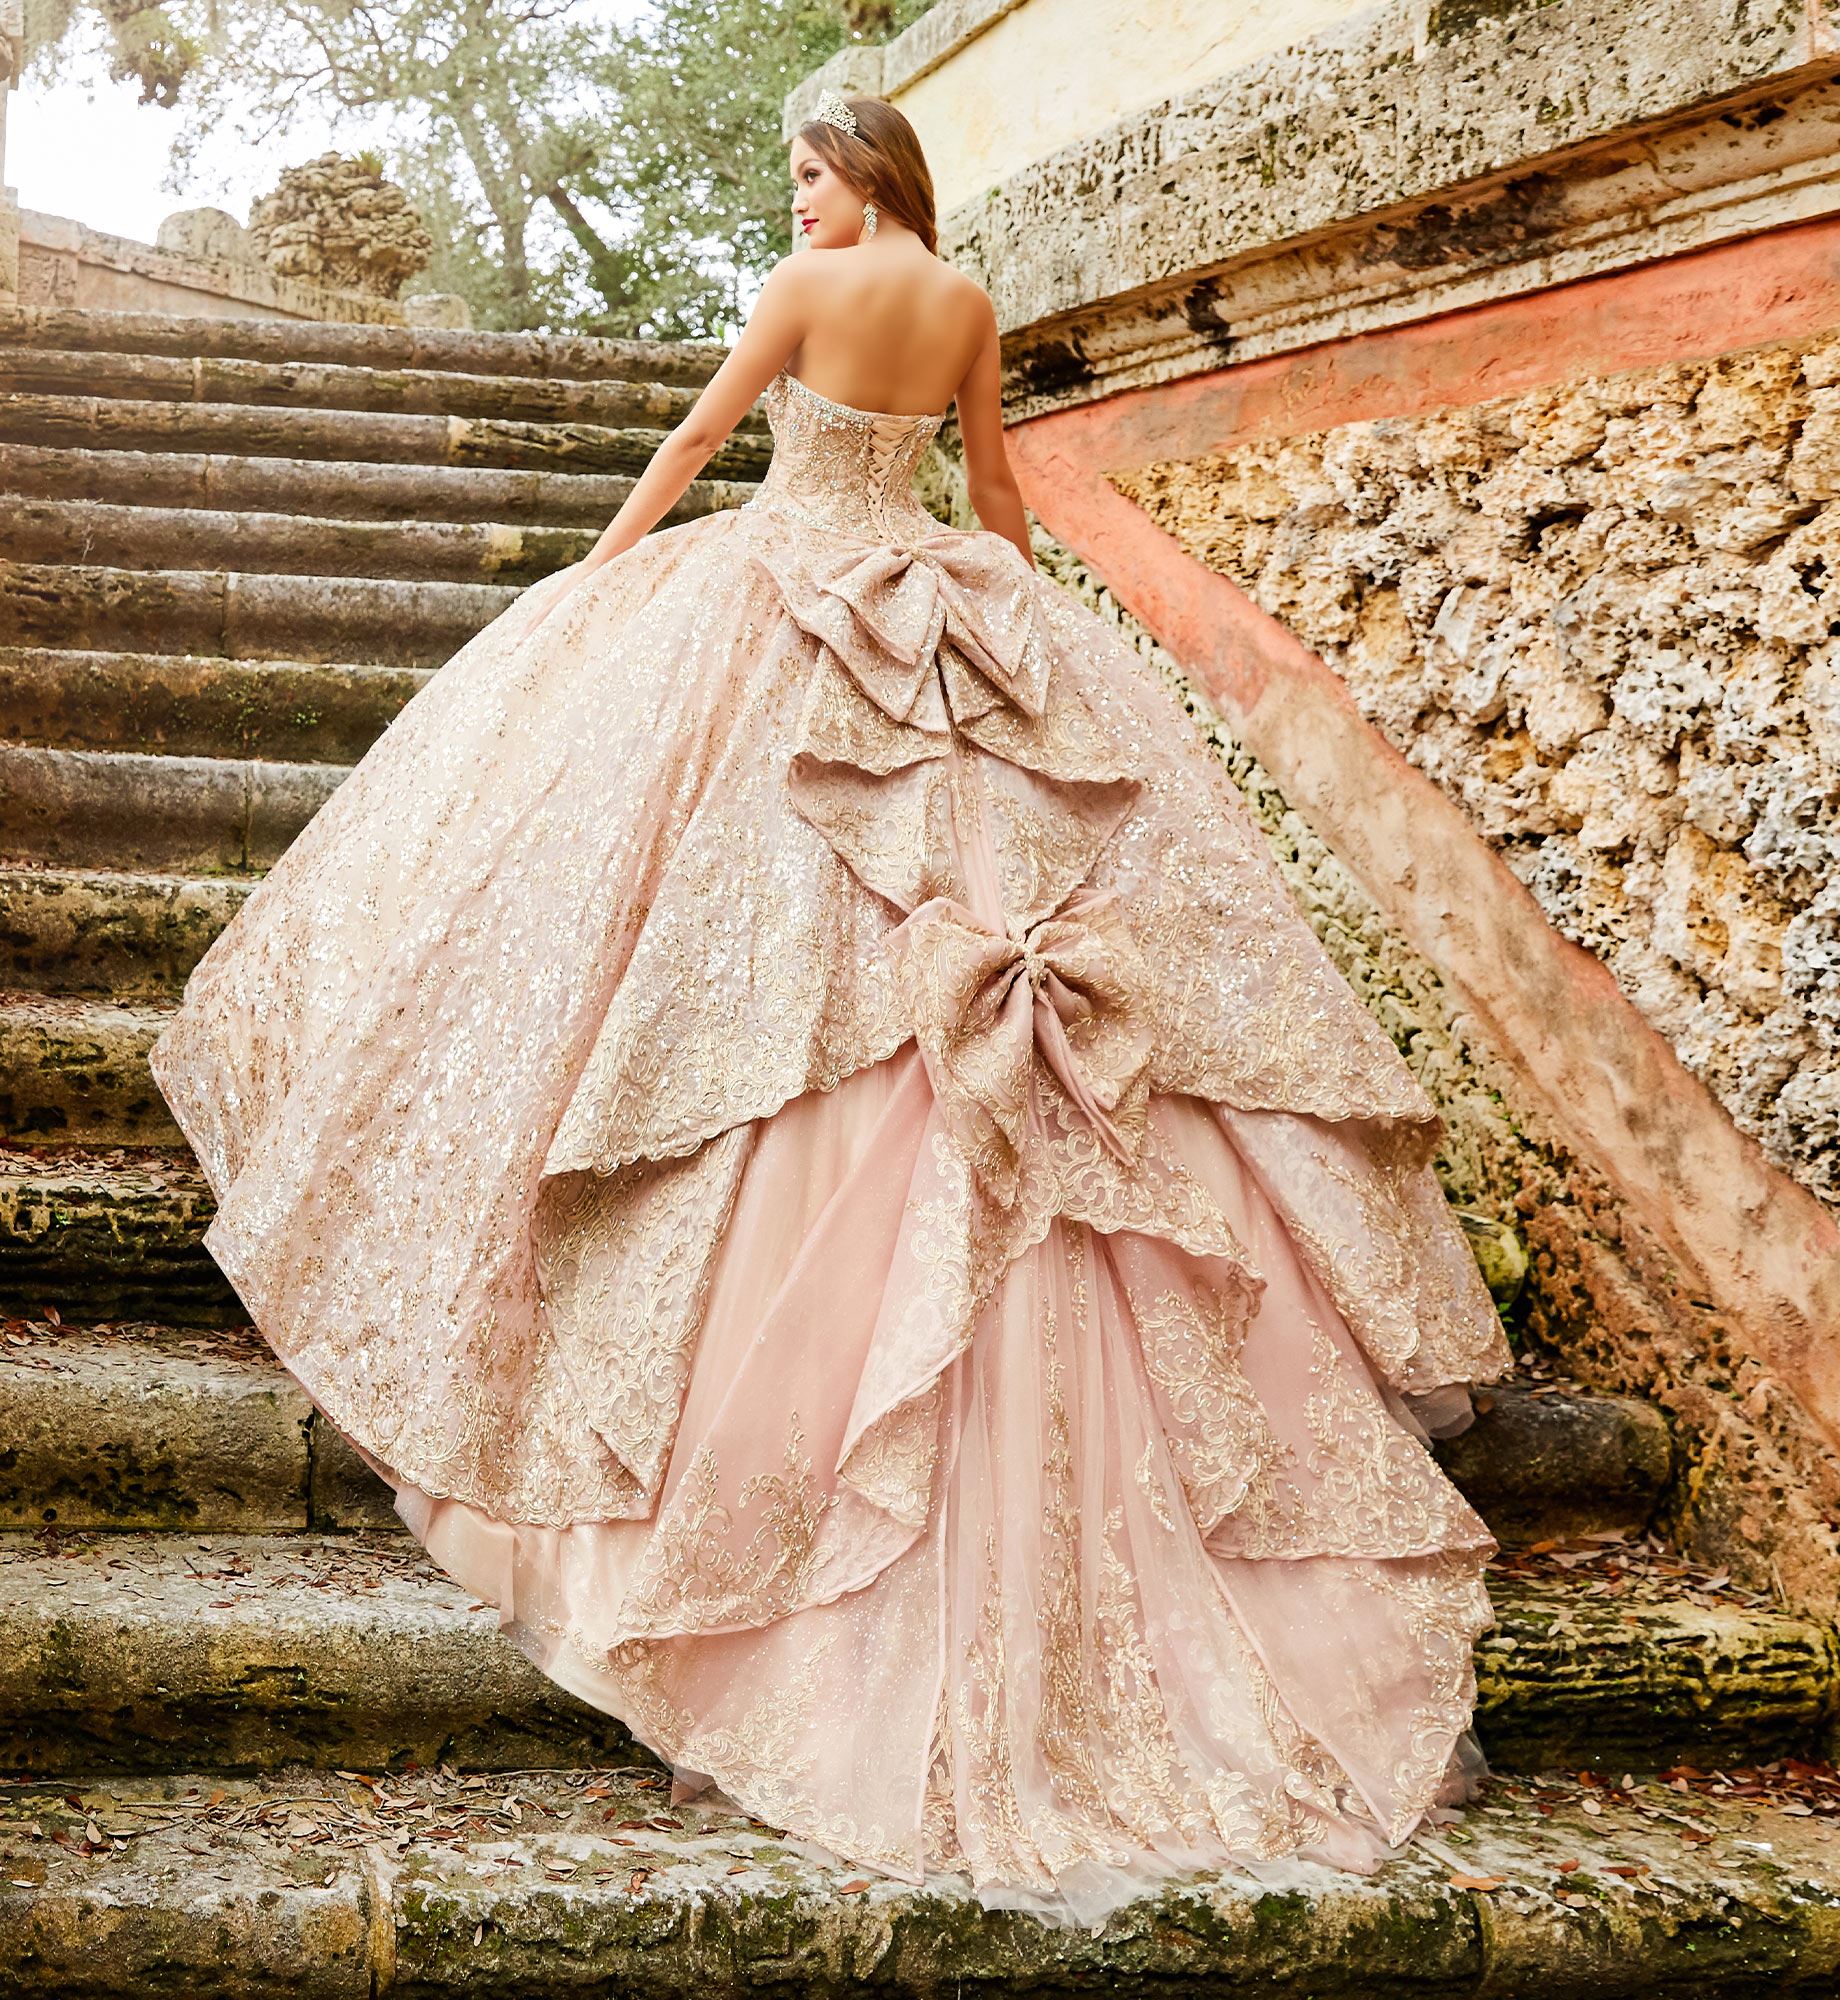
x,y
94,608
151,538
56,251
339,385
74,1069
346,491
110,1238
260,432
114,809
151,1428
1536,1464
244,1652
1376,173
142,1426
222,1890
887,68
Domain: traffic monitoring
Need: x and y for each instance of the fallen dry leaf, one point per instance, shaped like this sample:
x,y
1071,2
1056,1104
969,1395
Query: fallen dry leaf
x,y
1483,1882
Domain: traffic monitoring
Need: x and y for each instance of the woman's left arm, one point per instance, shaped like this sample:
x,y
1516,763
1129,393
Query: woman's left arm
x,y
768,341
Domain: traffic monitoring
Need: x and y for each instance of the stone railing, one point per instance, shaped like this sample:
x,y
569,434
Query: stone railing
x,y
201,263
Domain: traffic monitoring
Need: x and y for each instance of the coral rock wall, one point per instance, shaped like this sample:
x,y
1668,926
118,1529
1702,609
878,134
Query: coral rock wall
x,y
1606,618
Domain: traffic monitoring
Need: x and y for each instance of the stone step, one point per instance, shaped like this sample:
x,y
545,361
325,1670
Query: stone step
x,y
227,483
96,931
193,705
299,545
554,1886
1535,1464
108,809
1544,1464
124,1652
570,357
349,437
221,613
85,1405
139,1426
109,1236
325,385
73,1070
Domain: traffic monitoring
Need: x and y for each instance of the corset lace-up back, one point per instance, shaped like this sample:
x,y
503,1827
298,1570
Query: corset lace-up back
x,y
844,469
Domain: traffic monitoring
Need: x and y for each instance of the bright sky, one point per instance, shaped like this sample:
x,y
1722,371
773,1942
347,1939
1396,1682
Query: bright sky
x,y
93,151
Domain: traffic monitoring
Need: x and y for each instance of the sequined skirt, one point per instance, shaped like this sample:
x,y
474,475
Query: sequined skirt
x,y
791,1115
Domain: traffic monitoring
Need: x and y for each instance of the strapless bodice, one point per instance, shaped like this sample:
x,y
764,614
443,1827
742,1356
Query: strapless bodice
x,y
845,469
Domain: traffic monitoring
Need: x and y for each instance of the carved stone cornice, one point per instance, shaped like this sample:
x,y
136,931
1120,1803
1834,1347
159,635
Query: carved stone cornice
x,y
1397,169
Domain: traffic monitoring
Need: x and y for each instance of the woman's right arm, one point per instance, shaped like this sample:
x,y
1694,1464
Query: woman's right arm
x,y
995,497
770,338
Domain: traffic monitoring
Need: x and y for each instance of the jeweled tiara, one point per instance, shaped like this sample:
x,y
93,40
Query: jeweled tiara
x,y
833,110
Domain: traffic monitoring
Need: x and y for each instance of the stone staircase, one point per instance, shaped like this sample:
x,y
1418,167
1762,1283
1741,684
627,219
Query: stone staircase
x,y
231,551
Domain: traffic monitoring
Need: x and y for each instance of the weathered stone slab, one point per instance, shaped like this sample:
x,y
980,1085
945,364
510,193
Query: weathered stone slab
x,y
243,617
74,1070
1537,1464
352,437
107,809
569,357
343,1492
327,386
1634,1679
347,1495
242,1653
246,1653
182,704
119,1239
151,1428
345,490
78,930
549,1885
296,545
1377,119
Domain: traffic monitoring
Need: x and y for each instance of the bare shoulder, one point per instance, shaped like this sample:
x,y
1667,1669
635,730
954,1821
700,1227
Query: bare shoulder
x,y
969,297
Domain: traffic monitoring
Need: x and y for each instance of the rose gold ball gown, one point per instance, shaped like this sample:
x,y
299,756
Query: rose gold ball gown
x,y
792,1115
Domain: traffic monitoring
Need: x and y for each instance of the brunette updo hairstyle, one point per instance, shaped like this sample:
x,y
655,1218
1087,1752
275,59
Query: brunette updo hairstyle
x,y
883,162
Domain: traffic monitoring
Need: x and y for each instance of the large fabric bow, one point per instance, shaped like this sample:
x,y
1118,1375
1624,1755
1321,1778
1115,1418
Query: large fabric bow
x,y
987,1003
887,610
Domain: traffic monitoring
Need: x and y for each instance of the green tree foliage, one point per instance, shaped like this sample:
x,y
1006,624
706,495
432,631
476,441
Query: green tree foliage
x,y
572,172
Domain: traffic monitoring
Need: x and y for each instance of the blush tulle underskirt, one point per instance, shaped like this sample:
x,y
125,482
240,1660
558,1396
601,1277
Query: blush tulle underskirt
x,y
1058,1689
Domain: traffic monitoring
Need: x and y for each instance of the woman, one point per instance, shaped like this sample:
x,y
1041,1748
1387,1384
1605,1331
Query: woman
x,y
787,1110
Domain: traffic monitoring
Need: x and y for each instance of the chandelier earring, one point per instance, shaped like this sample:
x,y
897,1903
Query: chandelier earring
x,y
868,228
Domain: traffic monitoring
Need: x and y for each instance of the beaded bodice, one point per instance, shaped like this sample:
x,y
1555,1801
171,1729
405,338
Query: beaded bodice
x,y
838,467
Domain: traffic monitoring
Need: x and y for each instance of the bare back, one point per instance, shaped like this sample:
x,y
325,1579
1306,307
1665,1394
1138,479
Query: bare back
x,y
894,331
885,327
